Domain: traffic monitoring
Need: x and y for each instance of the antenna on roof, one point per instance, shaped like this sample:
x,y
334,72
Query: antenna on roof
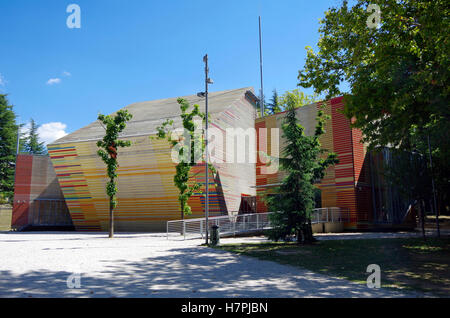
x,y
261,101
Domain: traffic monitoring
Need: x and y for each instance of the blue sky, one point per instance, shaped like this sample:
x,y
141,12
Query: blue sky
x,y
130,51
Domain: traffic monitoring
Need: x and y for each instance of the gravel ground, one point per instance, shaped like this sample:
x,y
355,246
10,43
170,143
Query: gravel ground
x,y
39,264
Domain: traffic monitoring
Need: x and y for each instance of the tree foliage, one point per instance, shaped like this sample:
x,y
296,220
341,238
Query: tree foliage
x,y
108,153
190,147
8,138
409,169
398,74
278,103
295,99
31,143
273,106
304,162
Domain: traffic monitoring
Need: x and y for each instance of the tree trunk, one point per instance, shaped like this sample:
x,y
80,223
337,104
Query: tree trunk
x,y
422,217
438,227
299,236
182,218
308,235
182,211
111,221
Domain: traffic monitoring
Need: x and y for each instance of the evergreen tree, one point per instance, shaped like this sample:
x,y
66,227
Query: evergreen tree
x,y
274,106
304,164
32,144
8,138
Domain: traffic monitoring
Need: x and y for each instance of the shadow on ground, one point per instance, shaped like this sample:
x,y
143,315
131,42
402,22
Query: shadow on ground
x,y
187,272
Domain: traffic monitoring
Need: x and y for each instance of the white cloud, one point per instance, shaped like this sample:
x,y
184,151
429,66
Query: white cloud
x,y
25,129
2,80
47,133
57,80
53,81
50,132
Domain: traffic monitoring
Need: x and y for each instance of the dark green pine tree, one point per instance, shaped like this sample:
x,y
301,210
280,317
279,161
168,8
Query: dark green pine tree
x,y
274,106
32,144
8,138
304,164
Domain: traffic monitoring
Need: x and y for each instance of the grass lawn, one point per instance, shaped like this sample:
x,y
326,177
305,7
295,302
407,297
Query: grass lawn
x,y
405,262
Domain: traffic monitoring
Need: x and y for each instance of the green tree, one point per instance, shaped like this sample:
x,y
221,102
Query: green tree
x,y
273,106
397,74
408,173
108,153
276,102
8,139
190,147
32,144
296,98
304,163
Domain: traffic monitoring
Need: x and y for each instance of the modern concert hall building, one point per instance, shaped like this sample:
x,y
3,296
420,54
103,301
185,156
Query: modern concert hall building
x,y
67,187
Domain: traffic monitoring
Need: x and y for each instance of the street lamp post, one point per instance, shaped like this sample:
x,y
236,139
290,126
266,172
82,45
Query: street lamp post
x,y
207,81
433,188
261,102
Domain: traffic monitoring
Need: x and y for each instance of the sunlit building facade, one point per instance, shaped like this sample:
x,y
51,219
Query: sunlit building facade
x,y
67,188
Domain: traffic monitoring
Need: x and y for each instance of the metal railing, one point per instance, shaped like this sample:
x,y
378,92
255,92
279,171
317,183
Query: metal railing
x,y
244,223
333,214
229,225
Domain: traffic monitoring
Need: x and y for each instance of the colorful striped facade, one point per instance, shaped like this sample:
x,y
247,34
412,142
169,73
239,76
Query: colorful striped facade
x,y
346,184
147,197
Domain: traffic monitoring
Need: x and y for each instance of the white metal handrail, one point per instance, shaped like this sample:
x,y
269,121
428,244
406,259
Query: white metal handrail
x,y
243,223
332,214
228,224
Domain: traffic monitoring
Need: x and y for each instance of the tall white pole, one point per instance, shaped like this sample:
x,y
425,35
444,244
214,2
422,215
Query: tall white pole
x,y
261,102
18,141
205,59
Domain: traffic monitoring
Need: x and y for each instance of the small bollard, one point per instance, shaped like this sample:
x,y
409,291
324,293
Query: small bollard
x,y
215,235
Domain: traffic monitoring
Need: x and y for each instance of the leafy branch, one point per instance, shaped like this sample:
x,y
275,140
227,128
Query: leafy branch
x,y
108,153
190,147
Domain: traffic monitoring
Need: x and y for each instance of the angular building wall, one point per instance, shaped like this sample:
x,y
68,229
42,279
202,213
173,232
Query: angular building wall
x,y
237,179
72,180
345,184
147,197
38,200
22,191
346,144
